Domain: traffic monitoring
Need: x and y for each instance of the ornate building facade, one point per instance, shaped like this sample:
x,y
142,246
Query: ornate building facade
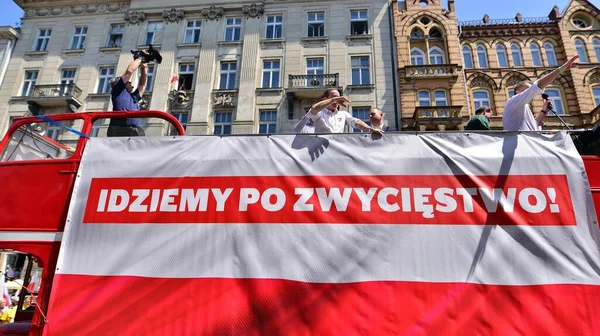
x,y
245,66
448,68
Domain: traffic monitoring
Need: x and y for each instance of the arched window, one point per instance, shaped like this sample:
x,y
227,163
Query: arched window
x,y
436,56
481,98
502,57
580,46
516,55
417,34
556,97
482,56
596,93
596,43
424,98
467,57
435,33
417,56
440,98
550,55
536,55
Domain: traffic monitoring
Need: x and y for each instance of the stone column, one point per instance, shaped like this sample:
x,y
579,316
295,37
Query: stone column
x,y
244,118
202,104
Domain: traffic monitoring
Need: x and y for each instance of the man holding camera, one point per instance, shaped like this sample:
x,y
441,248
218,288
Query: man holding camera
x,y
125,98
517,114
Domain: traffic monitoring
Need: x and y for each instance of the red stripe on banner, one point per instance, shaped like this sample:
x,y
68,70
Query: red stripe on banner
x,y
96,305
402,199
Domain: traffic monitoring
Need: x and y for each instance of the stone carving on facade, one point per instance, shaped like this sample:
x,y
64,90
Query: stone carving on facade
x,y
75,10
479,82
173,15
135,18
212,13
224,99
253,10
512,81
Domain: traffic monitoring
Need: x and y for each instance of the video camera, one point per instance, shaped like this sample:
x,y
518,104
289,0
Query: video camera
x,y
147,56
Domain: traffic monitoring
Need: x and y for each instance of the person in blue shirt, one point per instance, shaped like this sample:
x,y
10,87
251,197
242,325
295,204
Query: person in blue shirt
x,y
125,98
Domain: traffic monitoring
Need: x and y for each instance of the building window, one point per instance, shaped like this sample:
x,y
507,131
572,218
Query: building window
x,y
96,126
315,66
516,55
192,31
482,56
502,57
424,98
153,33
182,117
106,74
41,44
361,113
481,98
417,34
233,29
223,122
511,92
550,55
115,35
436,56
360,70
556,98
53,132
78,37
270,74
596,44
580,46
596,93
67,78
274,26
417,56
536,55
186,76
149,77
359,22
435,33
316,24
29,82
467,57
267,122
228,72
581,22
440,98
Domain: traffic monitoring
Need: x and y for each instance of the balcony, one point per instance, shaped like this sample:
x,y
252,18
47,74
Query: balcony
x,y
431,71
438,118
312,86
56,95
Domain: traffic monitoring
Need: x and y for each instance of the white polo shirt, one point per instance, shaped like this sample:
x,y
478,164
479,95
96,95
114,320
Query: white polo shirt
x,y
517,114
332,122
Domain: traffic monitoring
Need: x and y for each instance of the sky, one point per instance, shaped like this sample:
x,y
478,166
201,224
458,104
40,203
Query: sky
x,y
465,9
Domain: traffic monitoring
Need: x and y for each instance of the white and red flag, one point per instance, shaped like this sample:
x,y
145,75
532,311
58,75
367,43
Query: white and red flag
x,y
429,234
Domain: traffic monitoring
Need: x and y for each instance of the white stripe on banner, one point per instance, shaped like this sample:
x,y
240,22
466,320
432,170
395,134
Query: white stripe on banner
x,y
32,236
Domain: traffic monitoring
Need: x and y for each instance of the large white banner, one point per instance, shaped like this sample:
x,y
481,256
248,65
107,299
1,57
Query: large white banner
x,y
449,233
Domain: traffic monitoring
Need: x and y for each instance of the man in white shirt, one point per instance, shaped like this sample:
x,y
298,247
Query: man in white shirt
x,y
517,114
328,119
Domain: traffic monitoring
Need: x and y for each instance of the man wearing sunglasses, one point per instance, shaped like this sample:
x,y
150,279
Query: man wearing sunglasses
x,y
125,98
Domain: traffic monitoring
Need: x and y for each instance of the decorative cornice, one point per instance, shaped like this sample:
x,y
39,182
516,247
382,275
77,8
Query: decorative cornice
x,y
75,10
135,18
212,13
173,15
253,10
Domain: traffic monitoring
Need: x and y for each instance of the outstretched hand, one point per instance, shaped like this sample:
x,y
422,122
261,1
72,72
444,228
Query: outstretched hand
x,y
571,63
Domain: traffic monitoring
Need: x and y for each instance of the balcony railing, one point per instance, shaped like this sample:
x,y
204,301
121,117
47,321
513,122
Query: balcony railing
x,y
56,95
56,90
498,22
314,81
435,112
431,71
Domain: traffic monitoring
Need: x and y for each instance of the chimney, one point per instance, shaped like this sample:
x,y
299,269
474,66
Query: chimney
x,y
486,19
519,17
451,6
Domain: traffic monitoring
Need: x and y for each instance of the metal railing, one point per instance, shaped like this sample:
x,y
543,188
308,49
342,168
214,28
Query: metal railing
x,y
429,112
442,70
56,90
497,22
314,81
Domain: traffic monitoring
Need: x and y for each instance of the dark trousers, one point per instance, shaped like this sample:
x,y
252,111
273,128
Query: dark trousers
x,y
125,131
